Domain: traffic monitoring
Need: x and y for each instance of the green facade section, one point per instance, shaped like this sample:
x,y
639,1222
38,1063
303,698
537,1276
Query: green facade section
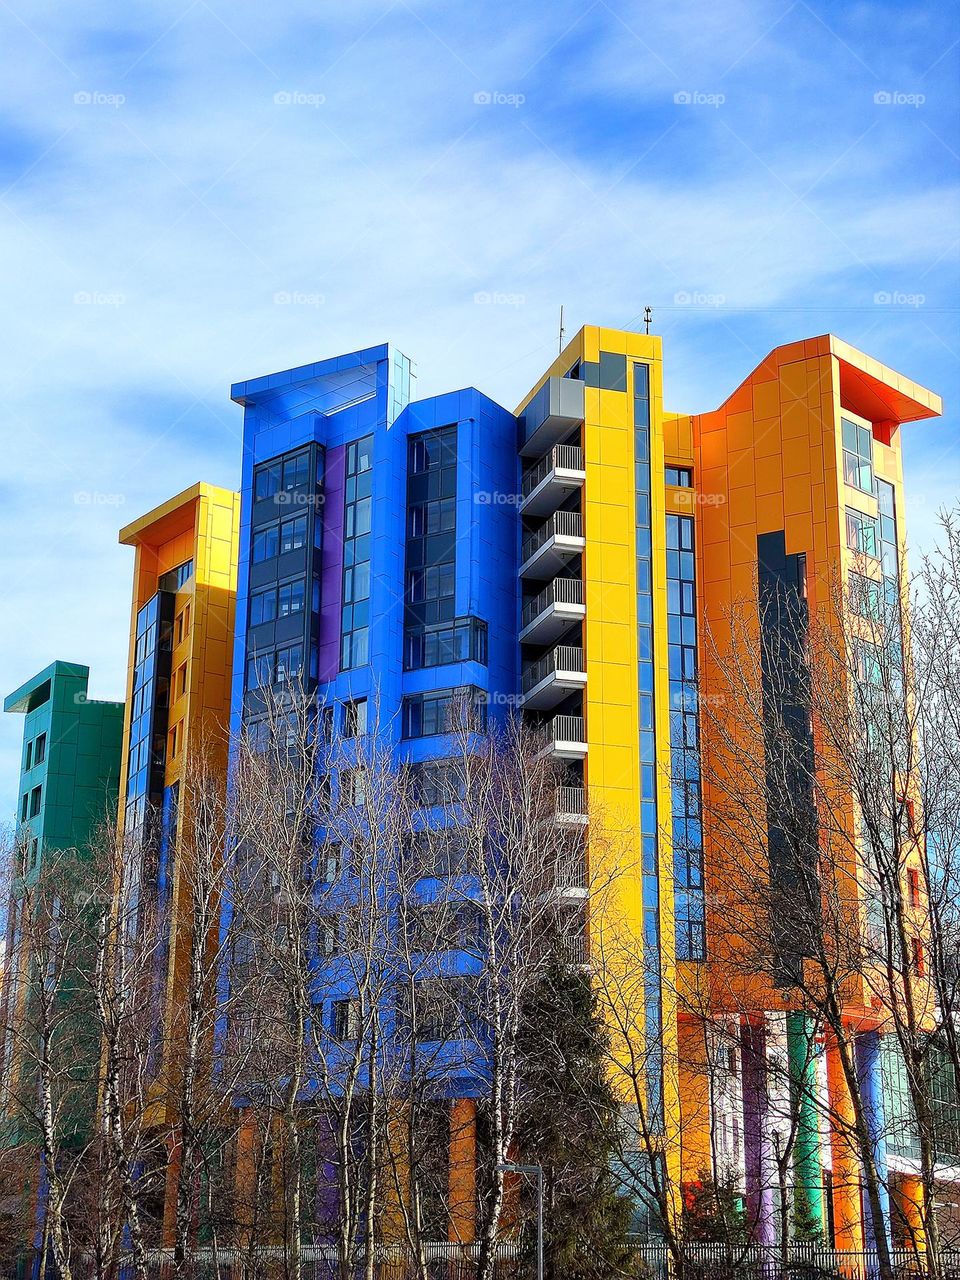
x,y
73,788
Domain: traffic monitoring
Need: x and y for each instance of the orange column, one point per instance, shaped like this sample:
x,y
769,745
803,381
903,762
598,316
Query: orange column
x,y
847,1211
245,1184
463,1170
910,1201
174,1157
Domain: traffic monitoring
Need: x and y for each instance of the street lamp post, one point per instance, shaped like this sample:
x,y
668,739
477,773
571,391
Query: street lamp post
x,y
537,1171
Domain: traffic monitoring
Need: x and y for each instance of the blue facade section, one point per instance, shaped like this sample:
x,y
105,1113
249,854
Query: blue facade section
x,y
363,516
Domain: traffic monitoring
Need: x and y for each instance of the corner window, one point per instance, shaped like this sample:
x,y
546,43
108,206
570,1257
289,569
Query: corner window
x,y
862,533
857,455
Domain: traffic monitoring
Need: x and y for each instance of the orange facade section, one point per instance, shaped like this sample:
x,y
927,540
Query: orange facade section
x,y
770,459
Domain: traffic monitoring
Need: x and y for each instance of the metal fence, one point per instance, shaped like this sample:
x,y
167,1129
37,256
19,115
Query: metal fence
x,y
456,1262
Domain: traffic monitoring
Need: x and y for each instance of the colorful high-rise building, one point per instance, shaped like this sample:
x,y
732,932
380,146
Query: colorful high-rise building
x,y
177,714
568,558
69,780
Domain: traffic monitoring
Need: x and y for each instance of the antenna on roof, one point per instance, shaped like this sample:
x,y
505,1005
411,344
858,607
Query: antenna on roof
x,y
647,319
561,327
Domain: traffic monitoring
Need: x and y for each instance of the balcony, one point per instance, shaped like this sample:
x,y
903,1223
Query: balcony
x,y
546,485
554,676
572,805
548,615
546,549
566,738
552,414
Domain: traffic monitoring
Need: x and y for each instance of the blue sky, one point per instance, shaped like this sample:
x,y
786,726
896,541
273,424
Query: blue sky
x,y
192,193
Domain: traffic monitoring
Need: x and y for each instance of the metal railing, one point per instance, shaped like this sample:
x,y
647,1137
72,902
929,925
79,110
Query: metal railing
x,y
568,729
562,524
559,591
564,657
567,456
572,800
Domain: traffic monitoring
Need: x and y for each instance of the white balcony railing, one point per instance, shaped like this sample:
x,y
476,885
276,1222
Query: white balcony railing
x,y
562,524
566,457
564,657
568,729
571,801
559,591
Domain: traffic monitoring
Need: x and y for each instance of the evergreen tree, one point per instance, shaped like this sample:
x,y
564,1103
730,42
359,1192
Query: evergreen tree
x,y
569,1128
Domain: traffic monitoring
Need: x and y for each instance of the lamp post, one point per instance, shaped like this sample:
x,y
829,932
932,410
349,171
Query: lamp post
x,y
537,1171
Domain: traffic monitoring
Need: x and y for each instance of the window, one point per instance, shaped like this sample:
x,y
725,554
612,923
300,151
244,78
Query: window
x,y
868,664
265,543
918,957
36,796
436,516
355,718
345,1019
296,470
681,477
24,806
861,533
263,606
444,711
433,582
260,671
353,786
464,639
610,372
28,762
180,681
329,936
865,596
437,1012
266,481
913,886
857,455
293,534
174,579
181,625
289,665
174,741
290,598
357,516
432,450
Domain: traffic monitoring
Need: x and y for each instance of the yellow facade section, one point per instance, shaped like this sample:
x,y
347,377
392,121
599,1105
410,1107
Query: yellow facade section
x,y
201,524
